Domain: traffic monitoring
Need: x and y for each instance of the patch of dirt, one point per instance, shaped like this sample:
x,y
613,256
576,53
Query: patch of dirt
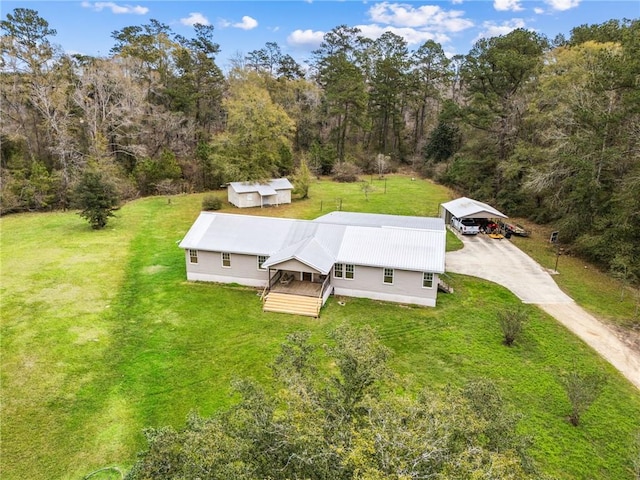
x,y
629,336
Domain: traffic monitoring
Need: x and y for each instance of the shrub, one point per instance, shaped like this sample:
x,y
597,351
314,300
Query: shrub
x,y
211,202
346,173
512,323
582,390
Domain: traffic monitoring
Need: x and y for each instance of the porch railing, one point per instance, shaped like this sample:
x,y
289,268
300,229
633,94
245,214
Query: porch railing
x,y
272,281
324,286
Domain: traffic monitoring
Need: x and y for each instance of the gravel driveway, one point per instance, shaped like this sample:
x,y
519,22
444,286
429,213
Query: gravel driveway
x,y
505,264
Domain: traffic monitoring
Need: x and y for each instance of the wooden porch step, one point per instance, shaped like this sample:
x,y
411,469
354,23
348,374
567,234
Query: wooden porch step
x,y
293,304
444,287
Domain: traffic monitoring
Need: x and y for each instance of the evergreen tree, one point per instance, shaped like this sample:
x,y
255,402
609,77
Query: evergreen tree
x,y
97,198
302,179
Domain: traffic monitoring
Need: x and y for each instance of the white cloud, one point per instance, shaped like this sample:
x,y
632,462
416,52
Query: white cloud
x,y
115,8
507,5
412,36
193,18
307,39
492,29
457,2
539,11
562,4
247,23
423,17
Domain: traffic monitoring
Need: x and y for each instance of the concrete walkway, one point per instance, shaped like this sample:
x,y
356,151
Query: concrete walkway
x,y
505,264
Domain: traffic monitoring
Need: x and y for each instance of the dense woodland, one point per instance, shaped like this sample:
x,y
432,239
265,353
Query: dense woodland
x,y
544,129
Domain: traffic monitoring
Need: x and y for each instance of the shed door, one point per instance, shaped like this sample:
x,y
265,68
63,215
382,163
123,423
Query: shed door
x,y
307,276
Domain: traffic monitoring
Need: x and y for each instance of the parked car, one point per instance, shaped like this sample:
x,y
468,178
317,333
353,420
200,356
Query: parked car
x,y
466,226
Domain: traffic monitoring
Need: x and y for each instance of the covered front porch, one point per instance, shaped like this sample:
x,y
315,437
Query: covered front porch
x,y
296,292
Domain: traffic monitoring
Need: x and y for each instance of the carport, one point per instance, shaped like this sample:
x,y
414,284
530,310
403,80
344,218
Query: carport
x,y
464,207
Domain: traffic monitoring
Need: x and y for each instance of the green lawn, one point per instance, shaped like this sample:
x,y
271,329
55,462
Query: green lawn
x,y
102,336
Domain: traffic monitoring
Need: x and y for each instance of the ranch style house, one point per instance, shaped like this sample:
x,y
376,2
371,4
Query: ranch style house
x,y
298,264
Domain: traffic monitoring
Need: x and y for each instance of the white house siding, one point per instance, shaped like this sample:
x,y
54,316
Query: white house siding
x,y
269,200
243,200
284,196
243,270
232,196
368,283
246,200
295,266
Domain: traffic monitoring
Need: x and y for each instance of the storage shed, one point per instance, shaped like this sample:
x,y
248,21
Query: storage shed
x,y
274,192
464,207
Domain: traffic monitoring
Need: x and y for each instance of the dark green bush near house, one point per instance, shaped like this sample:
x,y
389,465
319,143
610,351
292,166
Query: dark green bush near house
x,y
211,202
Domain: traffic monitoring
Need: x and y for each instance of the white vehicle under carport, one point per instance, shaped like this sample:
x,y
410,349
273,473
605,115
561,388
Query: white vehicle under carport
x,y
466,226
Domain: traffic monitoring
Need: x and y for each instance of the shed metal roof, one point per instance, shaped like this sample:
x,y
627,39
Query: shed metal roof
x,y
318,244
264,189
464,207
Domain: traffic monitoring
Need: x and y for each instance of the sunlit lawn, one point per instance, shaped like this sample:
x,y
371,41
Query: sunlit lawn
x,y
102,336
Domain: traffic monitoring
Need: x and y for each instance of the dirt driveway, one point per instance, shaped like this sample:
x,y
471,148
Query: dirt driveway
x,y
503,263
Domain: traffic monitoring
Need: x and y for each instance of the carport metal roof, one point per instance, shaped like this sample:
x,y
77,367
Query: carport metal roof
x,y
468,208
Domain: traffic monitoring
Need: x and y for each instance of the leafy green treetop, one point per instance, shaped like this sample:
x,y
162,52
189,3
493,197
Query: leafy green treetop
x,y
342,418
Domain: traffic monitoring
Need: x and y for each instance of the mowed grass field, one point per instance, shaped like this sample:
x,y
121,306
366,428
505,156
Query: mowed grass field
x,y
102,336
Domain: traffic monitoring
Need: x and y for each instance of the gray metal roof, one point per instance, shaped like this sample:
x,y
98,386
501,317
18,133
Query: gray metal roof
x,y
226,232
382,220
318,244
264,189
464,207
406,249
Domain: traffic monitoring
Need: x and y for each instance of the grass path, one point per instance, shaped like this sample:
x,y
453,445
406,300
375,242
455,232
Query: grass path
x,y
102,336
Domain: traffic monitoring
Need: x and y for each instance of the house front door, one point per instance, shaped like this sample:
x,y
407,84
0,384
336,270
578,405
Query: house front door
x,y
307,276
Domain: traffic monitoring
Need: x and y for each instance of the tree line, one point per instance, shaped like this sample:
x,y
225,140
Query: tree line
x,y
545,129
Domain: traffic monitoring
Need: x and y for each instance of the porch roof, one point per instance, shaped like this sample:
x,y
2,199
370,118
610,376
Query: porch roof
x,y
308,251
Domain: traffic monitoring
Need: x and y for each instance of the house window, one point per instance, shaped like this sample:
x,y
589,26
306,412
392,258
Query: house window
x,y
226,259
193,256
349,271
341,270
338,270
427,280
388,276
261,260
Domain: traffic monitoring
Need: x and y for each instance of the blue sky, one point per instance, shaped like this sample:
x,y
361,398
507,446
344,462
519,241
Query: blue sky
x,y
298,26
